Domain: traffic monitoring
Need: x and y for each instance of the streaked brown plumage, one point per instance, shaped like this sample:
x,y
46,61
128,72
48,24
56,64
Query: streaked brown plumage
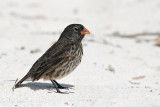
x,y
60,59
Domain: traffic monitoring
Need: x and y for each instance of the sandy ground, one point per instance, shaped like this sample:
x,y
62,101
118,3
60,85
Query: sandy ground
x,y
121,63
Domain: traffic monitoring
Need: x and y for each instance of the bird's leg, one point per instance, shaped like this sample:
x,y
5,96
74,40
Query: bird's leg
x,y
56,86
59,86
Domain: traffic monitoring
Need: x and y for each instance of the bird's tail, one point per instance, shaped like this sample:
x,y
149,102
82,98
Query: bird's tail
x,y
19,82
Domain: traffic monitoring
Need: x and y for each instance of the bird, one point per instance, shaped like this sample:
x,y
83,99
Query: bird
x,y
60,59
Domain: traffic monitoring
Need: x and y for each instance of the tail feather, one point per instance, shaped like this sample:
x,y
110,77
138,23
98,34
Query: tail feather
x,y
18,83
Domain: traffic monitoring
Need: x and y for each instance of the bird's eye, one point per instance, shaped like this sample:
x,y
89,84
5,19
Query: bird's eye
x,y
76,29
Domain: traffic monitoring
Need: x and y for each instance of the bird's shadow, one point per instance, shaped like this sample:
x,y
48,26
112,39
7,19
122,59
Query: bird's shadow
x,y
43,86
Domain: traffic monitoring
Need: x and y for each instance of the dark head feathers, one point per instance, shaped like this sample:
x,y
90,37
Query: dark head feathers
x,y
74,33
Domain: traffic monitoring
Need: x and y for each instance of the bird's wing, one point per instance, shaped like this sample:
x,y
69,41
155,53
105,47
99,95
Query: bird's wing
x,y
50,60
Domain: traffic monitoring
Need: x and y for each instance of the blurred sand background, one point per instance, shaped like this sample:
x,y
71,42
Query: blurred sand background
x,y
121,63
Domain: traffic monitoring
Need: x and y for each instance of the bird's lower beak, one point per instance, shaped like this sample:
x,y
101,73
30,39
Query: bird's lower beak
x,y
84,31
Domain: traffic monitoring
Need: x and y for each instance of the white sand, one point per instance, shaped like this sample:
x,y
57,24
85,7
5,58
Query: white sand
x,y
133,78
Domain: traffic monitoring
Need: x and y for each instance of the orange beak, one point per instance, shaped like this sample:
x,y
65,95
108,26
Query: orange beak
x,y
84,31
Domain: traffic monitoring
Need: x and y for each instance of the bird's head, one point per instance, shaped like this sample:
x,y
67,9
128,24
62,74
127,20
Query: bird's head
x,y
74,33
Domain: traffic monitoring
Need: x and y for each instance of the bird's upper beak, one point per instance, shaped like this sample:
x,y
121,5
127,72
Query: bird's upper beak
x,y
84,31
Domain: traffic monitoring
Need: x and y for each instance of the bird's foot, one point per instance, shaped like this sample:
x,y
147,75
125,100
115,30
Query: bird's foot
x,y
58,85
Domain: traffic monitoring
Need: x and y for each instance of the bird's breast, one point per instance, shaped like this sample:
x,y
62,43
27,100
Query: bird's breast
x,y
70,65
